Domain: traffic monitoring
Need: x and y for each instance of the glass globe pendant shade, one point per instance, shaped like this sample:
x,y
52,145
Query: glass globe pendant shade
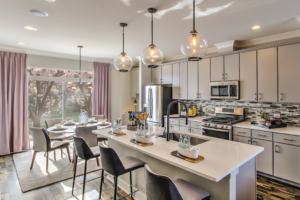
x,y
194,46
152,56
123,62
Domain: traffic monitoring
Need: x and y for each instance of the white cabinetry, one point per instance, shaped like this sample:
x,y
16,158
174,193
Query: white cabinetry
x,y
166,74
156,75
193,80
265,158
176,82
134,83
267,74
217,68
232,68
289,73
248,76
204,79
241,139
183,75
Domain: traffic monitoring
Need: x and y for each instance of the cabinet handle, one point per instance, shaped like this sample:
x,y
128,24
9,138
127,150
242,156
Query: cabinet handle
x,y
262,135
288,139
259,96
277,147
222,76
249,141
226,76
199,95
241,132
280,96
255,96
254,143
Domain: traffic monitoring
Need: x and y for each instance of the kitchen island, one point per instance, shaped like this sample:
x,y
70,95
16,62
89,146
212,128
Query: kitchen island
x,y
228,170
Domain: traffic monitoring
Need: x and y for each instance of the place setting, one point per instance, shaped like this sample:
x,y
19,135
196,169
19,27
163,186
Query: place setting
x,y
117,129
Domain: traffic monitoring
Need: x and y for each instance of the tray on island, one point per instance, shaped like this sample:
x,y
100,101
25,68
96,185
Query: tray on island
x,y
269,127
140,143
178,155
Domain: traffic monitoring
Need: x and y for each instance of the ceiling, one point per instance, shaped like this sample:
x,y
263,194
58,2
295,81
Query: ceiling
x,y
95,24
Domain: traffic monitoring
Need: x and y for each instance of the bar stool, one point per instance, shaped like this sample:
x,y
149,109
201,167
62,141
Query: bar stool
x,y
159,187
84,152
112,164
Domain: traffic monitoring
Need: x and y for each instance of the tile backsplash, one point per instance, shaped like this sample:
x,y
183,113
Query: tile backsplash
x,y
289,112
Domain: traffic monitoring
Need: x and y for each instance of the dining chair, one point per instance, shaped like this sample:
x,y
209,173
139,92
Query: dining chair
x,y
55,136
42,143
98,117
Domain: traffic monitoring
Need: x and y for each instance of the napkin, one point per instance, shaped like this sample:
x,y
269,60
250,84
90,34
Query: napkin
x,y
149,135
194,148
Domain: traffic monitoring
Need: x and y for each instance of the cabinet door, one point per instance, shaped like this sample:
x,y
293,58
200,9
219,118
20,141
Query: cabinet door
x,y
217,69
232,67
204,79
166,74
185,129
242,139
183,80
176,82
133,85
156,75
289,73
174,127
196,130
248,76
287,162
265,158
137,81
193,80
267,74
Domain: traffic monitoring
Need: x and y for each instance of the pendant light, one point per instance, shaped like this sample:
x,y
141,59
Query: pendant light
x,y
123,62
152,56
80,84
194,46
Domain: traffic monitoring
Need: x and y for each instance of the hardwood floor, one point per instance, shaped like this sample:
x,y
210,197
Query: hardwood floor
x,y
10,188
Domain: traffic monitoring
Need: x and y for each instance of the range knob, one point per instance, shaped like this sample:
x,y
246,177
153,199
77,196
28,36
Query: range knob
x,y
224,126
216,125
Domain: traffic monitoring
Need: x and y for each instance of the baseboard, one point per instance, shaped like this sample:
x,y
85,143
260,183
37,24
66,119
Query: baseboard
x,y
279,179
126,188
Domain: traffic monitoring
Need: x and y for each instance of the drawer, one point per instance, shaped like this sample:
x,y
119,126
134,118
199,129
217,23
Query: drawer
x,y
264,135
196,130
242,132
182,123
172,121
185,129
287,139
195,124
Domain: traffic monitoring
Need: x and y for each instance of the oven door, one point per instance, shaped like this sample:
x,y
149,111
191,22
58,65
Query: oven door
x,y
217,133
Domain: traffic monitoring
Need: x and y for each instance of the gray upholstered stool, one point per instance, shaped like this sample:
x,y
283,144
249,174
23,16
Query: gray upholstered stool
x,y
113,165
86,153
160,187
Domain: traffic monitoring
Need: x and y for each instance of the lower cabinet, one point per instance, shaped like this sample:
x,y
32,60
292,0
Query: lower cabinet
x,y
185,129
174,127
241,139
287,162
196,130
264,160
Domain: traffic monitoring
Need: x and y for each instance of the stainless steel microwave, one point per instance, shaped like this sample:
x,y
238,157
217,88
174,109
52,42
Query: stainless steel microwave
x,y
224,90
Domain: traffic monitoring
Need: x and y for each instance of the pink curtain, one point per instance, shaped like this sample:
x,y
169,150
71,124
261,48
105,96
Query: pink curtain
x,y
14,136
101,99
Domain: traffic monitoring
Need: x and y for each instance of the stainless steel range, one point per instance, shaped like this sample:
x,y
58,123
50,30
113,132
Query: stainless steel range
x,y
220,126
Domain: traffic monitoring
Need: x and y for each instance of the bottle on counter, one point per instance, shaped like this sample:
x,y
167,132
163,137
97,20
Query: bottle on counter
x,y
189,142
181,141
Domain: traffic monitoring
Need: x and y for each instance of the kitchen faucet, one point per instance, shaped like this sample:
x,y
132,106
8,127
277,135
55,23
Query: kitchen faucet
x,y
168,117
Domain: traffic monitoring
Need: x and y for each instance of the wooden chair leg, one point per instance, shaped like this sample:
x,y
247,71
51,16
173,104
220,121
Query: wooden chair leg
x,y
74,155
97,160
68,150
62,153
33,158
54,155
47,161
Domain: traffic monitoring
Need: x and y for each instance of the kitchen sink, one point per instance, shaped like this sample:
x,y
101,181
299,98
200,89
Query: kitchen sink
x,y
175,137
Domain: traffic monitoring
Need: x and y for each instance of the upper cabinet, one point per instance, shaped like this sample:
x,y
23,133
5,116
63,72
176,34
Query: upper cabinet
x,y
217,68
289,73
134,82
166,74
248,76
176,82
203,79
267,74
183,76
232,67
156,76
192,80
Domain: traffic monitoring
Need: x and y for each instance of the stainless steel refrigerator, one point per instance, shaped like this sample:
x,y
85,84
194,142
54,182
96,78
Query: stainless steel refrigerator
x,y
156,99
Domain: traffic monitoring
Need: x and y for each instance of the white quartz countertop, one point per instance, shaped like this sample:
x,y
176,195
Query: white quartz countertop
x,y
221,157
197,118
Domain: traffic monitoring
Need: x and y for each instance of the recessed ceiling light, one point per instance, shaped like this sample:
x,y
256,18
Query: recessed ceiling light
x,y
30,28
50,0
38,13
256,27
21,43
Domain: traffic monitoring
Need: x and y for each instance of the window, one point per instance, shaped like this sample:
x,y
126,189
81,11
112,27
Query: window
x,y
50,97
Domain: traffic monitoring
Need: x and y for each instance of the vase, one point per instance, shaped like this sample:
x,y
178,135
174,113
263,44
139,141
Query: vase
x,y
83,118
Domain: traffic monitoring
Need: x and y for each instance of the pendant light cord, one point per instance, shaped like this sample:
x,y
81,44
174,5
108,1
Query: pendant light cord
x,y
151,28
123,39
79,64
194,15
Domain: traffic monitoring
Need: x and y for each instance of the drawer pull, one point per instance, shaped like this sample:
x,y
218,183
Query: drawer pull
x,y
277,149
288,139
241,132
262,135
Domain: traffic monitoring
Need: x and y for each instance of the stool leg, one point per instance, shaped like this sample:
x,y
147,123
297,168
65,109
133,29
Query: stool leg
x,y
74,176
101,182
116,187
131,185
84,177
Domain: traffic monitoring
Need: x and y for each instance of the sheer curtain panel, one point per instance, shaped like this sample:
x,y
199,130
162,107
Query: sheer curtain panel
x,y
14,136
